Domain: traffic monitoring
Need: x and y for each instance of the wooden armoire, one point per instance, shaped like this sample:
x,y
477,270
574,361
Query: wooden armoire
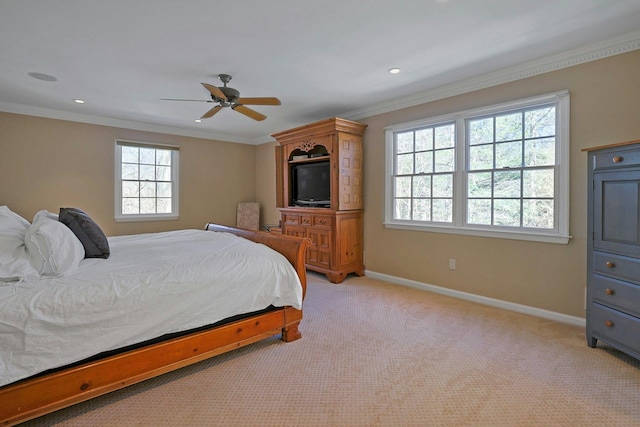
x,y
335,226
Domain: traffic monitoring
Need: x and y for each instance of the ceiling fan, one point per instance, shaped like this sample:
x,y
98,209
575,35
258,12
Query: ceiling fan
x,y
229,97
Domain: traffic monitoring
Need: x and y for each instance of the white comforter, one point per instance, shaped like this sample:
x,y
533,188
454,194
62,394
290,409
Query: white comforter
x,y
151,285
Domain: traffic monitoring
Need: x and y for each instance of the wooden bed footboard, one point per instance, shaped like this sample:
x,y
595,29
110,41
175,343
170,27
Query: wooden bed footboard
x,y
34,397
293,248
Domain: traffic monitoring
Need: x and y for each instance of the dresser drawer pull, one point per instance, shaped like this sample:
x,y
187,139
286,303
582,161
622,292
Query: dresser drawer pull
x,y
608,323
618,159
610,264
609,291
322,221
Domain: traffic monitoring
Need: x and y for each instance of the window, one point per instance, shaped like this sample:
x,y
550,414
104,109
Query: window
x,y
146,186
499,171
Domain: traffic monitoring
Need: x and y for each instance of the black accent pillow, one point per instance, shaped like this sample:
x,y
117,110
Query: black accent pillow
x,y
87,231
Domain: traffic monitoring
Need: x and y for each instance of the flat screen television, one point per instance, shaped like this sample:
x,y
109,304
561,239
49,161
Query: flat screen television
x,y
311,184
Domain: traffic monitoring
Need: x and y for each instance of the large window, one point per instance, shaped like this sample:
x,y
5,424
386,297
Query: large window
x,y
146,185
499,171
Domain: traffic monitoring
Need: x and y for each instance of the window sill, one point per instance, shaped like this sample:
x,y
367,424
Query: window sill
x,y
468,231
138,218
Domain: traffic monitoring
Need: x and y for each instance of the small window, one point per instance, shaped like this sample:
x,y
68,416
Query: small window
x,y
499,171
146,186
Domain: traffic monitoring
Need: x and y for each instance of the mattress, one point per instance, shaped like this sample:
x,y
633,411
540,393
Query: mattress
x,y
151,285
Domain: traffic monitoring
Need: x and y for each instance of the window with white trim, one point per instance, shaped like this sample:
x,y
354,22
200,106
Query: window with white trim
x,y
498,171
146,186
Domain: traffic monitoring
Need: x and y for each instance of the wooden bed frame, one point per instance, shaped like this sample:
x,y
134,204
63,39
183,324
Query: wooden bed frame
x,y
33,397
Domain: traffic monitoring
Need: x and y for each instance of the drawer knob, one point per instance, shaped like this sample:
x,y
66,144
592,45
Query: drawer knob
x,y
618,159
609,291
608,323
609,264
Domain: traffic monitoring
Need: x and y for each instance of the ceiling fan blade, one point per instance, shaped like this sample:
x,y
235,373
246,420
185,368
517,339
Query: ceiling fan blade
x,y
259,101
192,100
249,112
211,112
215,91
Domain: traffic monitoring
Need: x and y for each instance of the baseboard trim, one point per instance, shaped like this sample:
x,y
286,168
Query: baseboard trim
x,y
519,308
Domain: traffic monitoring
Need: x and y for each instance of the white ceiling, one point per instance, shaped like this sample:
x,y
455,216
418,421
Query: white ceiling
x,y
321,59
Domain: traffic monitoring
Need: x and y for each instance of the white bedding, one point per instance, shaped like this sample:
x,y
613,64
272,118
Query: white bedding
x,y
151,285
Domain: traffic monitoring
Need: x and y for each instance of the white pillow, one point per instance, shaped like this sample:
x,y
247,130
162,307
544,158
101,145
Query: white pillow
x,y
44,213
52,247
14,260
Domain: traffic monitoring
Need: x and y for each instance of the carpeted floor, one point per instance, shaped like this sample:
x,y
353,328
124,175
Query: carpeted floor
x,y
376,354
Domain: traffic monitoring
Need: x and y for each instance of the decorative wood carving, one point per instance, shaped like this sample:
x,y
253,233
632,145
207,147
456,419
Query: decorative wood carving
x,y
307,145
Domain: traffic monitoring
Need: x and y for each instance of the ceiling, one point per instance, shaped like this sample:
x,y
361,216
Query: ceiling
x,y
321,59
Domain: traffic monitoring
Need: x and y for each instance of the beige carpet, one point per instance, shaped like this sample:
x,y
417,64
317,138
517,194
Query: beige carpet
x,y
378,354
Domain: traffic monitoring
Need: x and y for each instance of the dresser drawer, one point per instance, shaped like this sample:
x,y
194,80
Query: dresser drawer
x,y
620,267
322,221
305,219
616,294
616,159
291,219
615,327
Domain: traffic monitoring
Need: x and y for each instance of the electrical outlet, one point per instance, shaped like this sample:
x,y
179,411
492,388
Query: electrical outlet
x,y
452,263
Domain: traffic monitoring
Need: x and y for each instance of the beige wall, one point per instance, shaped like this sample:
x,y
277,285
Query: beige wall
x,y
48,164
605,101
266,183
605,98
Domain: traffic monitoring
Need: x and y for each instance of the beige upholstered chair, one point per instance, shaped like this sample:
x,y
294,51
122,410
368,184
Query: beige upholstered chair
x,y
248,215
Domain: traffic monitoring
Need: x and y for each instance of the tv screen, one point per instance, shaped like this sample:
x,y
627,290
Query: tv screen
x,y
311,184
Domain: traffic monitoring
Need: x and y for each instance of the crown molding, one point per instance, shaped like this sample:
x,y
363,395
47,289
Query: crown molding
x,y
593,52
126,124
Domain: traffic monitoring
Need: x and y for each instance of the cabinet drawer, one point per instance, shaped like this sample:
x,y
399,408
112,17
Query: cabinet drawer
x,y
616,159
614,327
291,219
323,221
616,294
305,219
617,266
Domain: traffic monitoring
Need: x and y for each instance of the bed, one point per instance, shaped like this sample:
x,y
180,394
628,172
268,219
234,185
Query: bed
x,y
49,370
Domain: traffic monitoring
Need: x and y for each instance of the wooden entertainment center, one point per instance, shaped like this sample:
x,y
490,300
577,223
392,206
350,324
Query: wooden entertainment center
x,y
335,226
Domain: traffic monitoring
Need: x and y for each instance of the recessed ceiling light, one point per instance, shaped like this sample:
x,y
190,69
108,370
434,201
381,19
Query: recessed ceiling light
x,y
394,70
42,76
198,121
78,101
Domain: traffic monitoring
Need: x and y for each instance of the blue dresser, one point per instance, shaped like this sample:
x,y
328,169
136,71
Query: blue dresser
x,y
613,276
